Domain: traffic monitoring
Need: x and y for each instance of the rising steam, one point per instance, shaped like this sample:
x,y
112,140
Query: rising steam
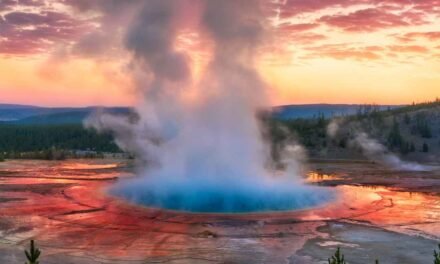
x,y
375,151
207,154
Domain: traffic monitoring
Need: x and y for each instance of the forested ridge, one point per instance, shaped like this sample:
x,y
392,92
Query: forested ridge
x,y
411,130
16,139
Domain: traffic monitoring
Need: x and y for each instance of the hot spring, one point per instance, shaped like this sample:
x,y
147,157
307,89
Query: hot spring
x,y
239,196
200,144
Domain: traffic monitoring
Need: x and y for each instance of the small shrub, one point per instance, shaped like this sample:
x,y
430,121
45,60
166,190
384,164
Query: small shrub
x,y
33,254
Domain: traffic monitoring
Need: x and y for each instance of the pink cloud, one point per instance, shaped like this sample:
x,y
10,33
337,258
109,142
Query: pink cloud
x,y
432,35
371,19
36,32
342,52
288,27
296,7
307,38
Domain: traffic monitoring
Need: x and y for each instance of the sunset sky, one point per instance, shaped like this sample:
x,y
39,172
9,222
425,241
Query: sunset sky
x,y
66,53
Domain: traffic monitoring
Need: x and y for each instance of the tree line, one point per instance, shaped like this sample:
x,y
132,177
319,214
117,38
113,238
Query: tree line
x,y
51,141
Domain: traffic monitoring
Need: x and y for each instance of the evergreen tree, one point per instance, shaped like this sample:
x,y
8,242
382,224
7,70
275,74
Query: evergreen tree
x,y
338,258
33,254
412,147
425,130
406,118
437,256
405,148
343,143
425,147
423,127
395,139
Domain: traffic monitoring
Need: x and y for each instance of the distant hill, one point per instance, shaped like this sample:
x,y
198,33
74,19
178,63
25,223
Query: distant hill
x,y
54,119
10,112
34,115
313,110
28,114
411,132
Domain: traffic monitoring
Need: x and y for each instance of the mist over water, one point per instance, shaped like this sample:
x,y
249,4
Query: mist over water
x,y
207,154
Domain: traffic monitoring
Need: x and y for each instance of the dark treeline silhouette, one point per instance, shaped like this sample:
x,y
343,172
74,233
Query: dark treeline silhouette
x,y
51,141
416,106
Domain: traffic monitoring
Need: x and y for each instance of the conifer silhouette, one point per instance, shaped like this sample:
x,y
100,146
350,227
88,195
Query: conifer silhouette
x,y
33,254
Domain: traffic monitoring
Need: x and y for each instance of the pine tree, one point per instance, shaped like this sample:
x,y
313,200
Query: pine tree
x,y
405,148
33,254
412,147
407,119
426,130
425,148
437,256
338,258
423,126
395,139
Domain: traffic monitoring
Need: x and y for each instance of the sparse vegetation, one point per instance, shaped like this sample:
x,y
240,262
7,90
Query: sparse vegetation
x,y
33,254
338,257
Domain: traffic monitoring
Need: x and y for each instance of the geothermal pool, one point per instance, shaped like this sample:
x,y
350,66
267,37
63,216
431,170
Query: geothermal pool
x,y
217,196
66,207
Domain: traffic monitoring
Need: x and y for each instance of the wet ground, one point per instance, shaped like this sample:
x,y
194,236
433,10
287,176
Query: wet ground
x,y
379,213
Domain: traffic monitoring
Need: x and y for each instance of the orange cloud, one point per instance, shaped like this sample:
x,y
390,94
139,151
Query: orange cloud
x,y
410,48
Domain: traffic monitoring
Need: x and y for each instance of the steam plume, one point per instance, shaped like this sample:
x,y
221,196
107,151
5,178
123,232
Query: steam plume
x,y
207,155
375,151
379,153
